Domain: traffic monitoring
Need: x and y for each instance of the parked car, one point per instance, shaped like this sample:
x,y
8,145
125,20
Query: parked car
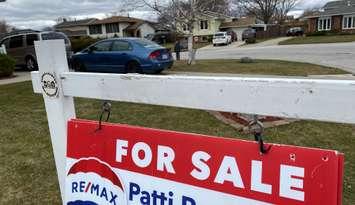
x,y
233,35
161,37
249,35
123,55
296,31
20,45
221,38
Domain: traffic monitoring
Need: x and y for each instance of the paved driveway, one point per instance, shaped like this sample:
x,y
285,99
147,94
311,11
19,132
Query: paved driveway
x,y
18,77
339,55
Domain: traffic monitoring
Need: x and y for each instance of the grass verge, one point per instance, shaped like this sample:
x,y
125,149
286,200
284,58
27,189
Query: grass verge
x,y
319,39
260,67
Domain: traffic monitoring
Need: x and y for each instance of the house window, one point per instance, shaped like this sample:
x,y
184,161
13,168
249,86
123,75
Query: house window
x,y
95,29
349,22
112,28
324,24
203,25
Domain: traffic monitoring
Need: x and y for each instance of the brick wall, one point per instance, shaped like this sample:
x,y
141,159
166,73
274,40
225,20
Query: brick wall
x,y
337,23
312,25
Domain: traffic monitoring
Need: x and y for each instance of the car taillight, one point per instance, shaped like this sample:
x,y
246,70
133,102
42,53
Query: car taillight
x,y
154,55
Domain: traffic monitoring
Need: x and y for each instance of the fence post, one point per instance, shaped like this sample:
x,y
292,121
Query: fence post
x,y
52,61
3,49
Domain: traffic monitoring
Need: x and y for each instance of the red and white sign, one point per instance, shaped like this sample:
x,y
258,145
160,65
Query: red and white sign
x,y
122,164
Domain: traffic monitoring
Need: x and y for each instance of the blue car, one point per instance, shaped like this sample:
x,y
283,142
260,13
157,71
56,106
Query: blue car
x,y
123,55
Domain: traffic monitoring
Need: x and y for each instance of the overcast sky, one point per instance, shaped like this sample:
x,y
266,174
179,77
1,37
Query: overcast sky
x,y
37,14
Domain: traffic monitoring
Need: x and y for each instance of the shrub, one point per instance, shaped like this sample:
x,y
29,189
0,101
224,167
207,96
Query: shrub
x,y
7,66
81,43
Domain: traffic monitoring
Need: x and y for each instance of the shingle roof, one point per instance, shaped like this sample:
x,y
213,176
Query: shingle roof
x,y
116,19
66,24
336,8
241,22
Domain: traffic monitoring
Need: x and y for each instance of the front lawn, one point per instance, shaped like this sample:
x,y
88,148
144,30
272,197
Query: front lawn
x,y
260,67
319,39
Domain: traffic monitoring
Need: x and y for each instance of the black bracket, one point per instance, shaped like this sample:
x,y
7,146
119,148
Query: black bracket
x,y
106,108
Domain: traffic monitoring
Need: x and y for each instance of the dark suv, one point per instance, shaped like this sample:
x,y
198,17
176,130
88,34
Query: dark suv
x,y
20,45
296,31
249,35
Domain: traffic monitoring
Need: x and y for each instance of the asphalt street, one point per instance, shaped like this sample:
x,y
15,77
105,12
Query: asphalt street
x,y
339,55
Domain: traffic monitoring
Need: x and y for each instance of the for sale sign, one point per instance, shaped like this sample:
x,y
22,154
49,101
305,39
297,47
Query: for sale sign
x,y
125,165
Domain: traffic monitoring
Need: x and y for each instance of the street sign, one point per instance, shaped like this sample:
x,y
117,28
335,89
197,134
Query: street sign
x,y
121,164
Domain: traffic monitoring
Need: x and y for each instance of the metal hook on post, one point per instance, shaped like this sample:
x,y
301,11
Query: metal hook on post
x,y
257,128
106,108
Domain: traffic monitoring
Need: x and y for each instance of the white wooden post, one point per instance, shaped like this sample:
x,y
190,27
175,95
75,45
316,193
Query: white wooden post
x,y
52,61
2,49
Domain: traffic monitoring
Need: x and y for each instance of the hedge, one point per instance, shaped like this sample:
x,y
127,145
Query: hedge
x,y
79,44
7,66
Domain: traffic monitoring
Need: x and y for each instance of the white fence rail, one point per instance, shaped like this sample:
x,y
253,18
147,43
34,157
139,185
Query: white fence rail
x,y
324,100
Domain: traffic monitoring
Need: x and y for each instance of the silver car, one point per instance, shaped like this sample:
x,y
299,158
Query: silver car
x,y
20,45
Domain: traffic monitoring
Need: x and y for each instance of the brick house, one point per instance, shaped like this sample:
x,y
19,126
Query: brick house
x,y
115,26
335,16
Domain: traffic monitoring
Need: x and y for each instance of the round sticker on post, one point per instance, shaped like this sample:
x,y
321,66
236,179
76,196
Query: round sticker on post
x,y
49,85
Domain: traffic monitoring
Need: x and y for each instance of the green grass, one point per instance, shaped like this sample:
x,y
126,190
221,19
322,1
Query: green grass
x,y
262,67
27,171
319,39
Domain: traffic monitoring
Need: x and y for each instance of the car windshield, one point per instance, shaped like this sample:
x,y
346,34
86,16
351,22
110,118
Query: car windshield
x,y
146,43
219,34
54,35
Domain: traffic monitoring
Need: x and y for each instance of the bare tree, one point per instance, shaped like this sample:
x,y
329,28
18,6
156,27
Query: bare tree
x,y
262,9
178,14
4,27
283,8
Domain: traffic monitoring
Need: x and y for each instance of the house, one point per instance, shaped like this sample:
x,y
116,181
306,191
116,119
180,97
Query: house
x,y
206,26
239,25
335,16
74,28
116,26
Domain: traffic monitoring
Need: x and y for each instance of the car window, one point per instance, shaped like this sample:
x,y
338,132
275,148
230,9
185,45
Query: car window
x,y
219,34
121,46
146,43
103,46
54,36
31,38
16,42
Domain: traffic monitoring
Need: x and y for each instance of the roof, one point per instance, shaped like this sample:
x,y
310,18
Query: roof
x,y
215,14
241,22
116,19
66,24
334,8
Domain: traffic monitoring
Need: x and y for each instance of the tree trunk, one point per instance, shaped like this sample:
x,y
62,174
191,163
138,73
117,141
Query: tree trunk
x,y
192,51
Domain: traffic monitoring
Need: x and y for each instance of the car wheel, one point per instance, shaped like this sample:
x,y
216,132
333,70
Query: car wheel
x,y
31,64
133,67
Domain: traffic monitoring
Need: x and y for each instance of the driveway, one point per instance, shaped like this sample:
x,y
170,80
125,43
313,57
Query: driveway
x,y
338,55
18,77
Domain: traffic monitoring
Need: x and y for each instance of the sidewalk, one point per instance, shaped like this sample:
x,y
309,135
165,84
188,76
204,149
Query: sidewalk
x,y
21,76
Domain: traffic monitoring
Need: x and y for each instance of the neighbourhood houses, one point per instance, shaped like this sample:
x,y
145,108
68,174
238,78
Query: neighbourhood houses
x,y
206,26
335,16
239,25
116,26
